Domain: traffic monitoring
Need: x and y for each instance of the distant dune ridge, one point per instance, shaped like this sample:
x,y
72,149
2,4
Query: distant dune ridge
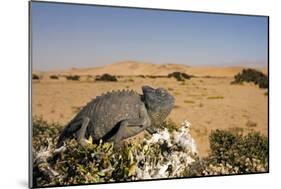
x,y
141,68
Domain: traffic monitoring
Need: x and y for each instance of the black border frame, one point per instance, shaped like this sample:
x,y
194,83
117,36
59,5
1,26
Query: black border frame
x,y
30,50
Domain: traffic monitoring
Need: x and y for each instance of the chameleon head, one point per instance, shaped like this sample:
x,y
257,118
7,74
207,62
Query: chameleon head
x,y
159,103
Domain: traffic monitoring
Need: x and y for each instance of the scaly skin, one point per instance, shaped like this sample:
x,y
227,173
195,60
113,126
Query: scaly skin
x,y
117,115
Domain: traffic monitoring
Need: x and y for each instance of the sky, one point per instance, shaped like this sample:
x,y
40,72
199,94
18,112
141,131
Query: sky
x,y
66,36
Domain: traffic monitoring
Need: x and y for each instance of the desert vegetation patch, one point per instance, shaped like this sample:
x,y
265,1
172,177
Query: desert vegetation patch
x,y
251,75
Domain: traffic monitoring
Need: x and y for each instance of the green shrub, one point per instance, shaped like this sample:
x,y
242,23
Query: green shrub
x,y
41,130
54,77
141,76
180,76
233,153
251,75
93,163
106,77
186,76
73,77
35,77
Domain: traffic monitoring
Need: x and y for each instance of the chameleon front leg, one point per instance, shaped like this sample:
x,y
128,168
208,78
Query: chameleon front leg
x,y
131,127
81,133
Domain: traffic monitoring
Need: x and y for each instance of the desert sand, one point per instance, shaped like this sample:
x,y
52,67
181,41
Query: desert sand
x,y
208,103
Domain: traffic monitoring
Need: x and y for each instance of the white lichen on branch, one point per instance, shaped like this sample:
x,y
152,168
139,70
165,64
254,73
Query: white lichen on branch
x,y
43,155
178,150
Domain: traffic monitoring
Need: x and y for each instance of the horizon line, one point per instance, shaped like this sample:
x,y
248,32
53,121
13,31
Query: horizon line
x,y
257,65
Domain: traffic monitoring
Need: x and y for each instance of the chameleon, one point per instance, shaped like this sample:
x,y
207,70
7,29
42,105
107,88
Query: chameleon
x,y
118,115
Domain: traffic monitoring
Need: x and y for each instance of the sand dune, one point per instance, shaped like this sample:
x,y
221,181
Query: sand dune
x,y
140,68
